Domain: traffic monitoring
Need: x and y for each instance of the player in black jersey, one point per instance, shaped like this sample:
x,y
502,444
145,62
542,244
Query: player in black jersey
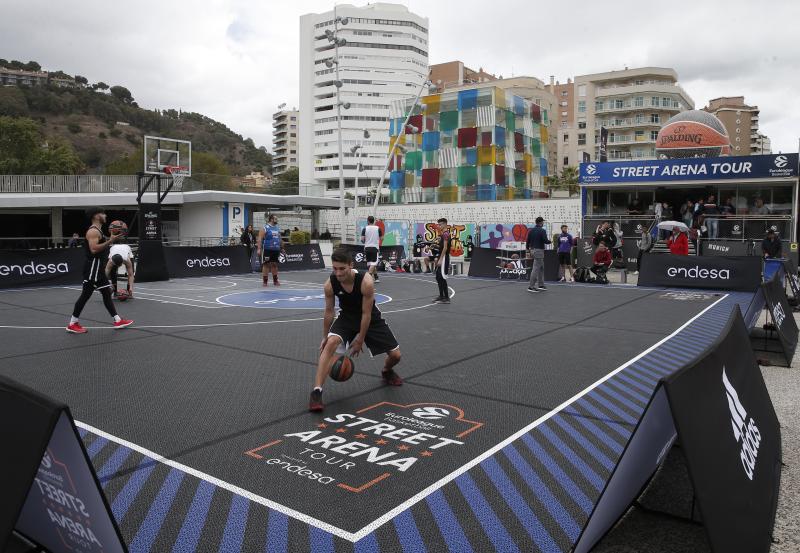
x,y
94,274
443,262
359,322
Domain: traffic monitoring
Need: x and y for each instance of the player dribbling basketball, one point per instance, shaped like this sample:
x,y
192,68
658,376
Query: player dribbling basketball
x,y
359,322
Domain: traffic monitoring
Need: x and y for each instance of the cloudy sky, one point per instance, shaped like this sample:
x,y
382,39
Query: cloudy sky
x,y
236,60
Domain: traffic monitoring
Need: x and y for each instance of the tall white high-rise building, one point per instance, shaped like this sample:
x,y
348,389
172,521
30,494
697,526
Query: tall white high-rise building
x,y
284,140
385,58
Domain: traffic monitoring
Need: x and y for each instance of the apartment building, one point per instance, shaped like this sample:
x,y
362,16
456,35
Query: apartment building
x,y
285,130
741,122
632,104
453,74
14,77
384,57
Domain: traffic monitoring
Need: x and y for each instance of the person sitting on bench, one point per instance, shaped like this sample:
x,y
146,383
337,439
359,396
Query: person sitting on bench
x,y
601,261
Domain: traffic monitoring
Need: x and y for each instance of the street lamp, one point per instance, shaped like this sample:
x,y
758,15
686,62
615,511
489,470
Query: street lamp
x,y
333,37
359,167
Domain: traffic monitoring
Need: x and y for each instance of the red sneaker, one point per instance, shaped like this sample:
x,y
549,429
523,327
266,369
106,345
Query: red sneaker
x,y
76,328
266,282
315,404
122,323
392,378
276,283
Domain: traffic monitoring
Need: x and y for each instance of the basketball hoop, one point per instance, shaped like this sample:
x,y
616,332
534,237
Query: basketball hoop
x,y
178,173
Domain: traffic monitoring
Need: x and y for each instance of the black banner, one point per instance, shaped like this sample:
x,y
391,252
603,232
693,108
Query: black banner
x,y
731,438
300,257
485,264
716,273
724,248
630,249
585,252
791,276
393,254
188,261
150,222
20,268
782,317
51,494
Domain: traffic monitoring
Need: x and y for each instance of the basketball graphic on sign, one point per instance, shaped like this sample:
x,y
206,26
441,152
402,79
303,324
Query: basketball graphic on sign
x,y
693,133
519,232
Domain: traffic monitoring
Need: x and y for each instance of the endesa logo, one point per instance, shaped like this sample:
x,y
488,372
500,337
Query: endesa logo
x,y
33,269
697,272
744,428
209,262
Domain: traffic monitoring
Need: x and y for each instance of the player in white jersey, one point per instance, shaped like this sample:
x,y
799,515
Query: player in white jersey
x,y
120,255
371,237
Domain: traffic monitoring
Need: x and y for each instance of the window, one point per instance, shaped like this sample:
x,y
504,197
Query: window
x,y
581,106
563,104
563,114
564,93
563,124
666,101
653,135
639,136
565,161
639,118
581,124
655,101
293,118
566,138
655,118
638,82
618,104
293,134
598,106
638,101
581,139
581,90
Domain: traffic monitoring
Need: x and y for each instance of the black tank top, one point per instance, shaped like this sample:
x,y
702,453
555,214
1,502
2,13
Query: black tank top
x,y
102,254
350,302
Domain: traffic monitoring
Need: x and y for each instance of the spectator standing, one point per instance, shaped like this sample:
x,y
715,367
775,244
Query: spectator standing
x,y
75,241
248,239
711,211
564,241
771,246
759,208
687,212
536,242
645,245
270,244
678,243
371,238
604,233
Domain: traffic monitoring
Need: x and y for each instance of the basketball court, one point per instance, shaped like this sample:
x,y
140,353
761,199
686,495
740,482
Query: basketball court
x,y
515,410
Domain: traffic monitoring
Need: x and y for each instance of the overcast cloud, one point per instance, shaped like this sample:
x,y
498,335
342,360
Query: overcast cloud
x,y
237,60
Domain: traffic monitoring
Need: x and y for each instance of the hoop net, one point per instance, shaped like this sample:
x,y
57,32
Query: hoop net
x,y
178,173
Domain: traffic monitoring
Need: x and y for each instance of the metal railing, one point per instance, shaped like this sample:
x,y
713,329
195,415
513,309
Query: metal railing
x,y
739,227
110,184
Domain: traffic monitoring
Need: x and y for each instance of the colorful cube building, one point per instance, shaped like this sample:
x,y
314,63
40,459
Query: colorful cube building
x,y
481,144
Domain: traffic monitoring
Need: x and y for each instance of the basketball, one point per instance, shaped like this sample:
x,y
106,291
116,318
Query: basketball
x,y
118,227
694,133
122,295
519,232
342,368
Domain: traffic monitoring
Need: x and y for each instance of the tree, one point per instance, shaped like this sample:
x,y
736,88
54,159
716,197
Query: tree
x,y
23,150
126,164
287,182
12,102
100,86
122,94
568,180
81,80
33,66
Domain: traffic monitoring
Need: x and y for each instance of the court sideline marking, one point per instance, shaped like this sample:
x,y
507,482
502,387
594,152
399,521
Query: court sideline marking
x,y
380,521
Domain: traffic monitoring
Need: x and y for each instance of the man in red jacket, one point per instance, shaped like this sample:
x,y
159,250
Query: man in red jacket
x,y
678,243
601,261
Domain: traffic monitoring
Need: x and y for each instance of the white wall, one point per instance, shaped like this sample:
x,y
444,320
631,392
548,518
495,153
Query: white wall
x,y
201,220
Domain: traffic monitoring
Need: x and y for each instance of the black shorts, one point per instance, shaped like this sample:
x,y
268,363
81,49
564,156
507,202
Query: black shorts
x,y
270,256
371,255
94,273
563,258
379,337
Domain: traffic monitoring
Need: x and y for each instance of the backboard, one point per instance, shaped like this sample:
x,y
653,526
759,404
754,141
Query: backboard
x,y
162,152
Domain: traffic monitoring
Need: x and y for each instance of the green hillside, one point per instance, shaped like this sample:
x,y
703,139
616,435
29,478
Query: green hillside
x,y
104,126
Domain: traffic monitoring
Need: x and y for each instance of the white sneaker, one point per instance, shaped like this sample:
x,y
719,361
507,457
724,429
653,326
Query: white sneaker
x,y
562,279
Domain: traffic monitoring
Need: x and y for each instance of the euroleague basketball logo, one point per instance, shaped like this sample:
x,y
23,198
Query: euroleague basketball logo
x,y
781,162
282,258
46,461
359,257
591,169
430,413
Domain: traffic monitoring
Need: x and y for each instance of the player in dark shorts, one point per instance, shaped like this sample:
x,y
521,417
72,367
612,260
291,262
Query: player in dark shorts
x,y
359,323
94,274
443,262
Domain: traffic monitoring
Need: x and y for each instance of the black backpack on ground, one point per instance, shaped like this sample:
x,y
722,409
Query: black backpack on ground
x,y
582,274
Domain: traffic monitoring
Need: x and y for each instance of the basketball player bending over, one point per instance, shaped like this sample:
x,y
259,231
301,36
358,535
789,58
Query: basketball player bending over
x,y
359,322
119,255
94,275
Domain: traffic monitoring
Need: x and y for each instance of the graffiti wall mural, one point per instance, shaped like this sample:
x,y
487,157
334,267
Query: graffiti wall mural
x,y
462,236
